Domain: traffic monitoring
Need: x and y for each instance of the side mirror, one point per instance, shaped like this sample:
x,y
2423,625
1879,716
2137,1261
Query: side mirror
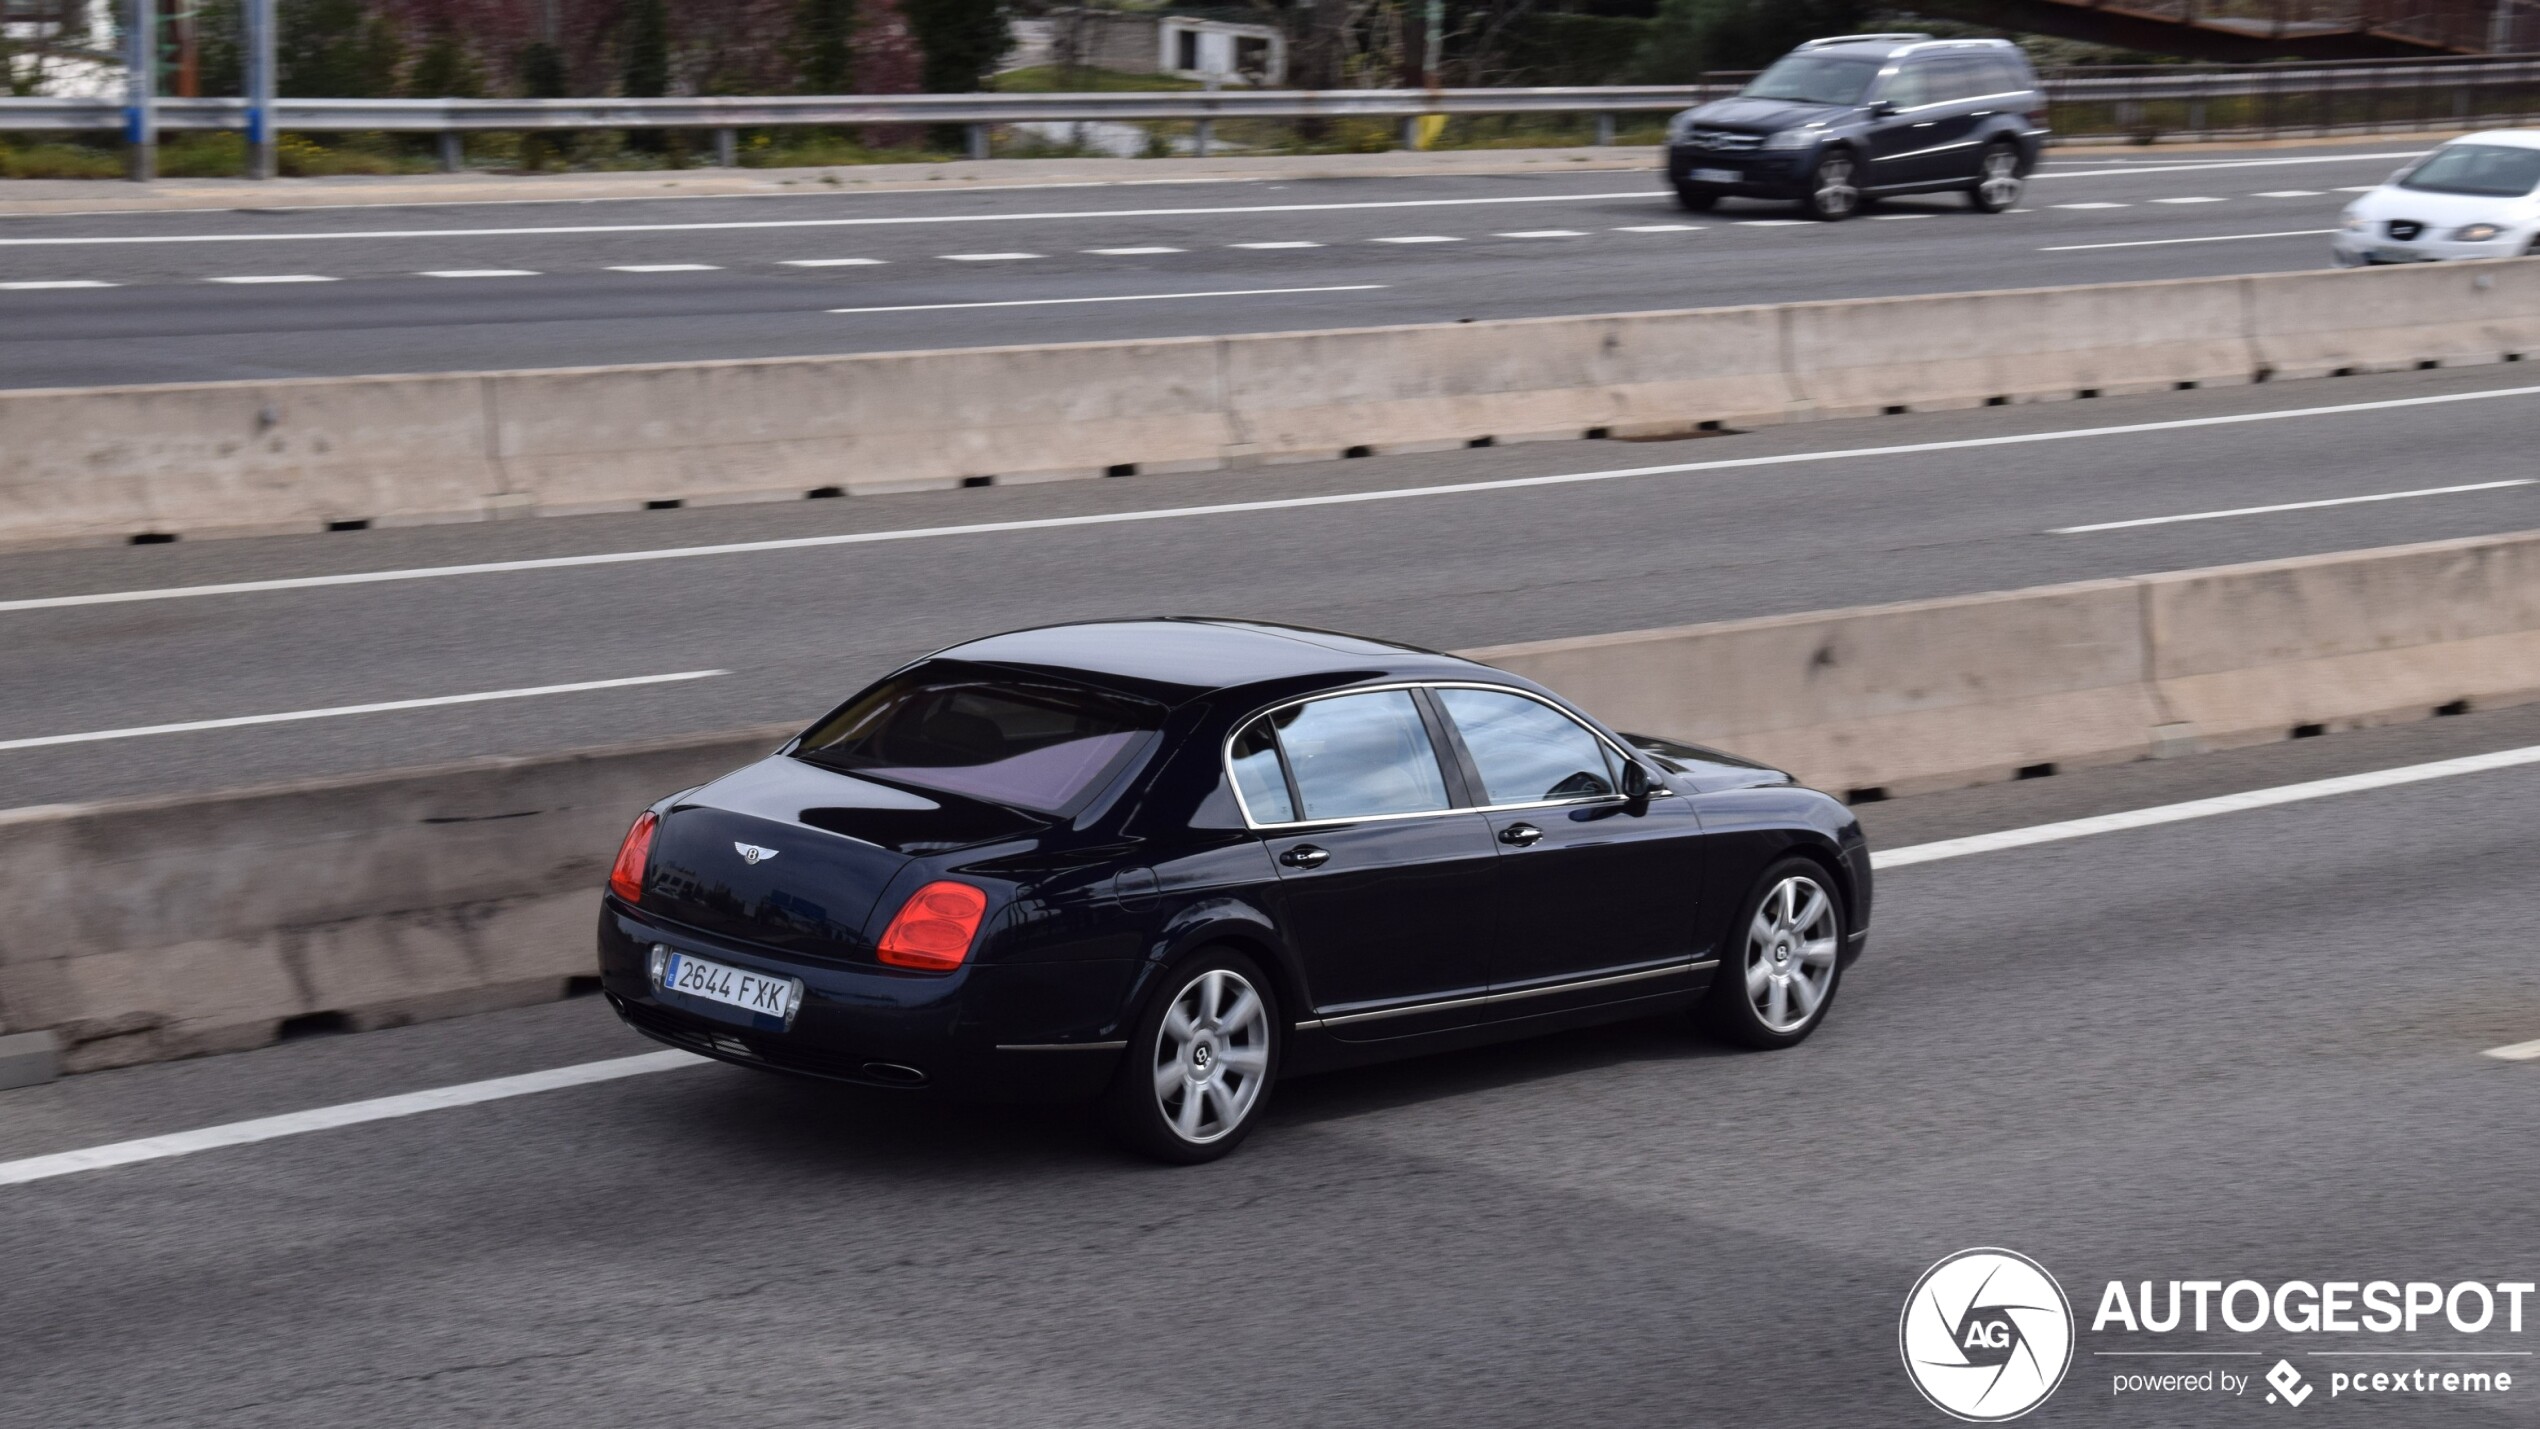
x,y
1885,109
1637,784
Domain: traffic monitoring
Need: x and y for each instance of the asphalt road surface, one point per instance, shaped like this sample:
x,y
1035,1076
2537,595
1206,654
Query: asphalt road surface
x,y
166,297
2240,1046
1835,514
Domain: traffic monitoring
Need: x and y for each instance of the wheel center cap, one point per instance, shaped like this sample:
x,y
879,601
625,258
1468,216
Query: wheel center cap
x,y
1201,1057
1781,952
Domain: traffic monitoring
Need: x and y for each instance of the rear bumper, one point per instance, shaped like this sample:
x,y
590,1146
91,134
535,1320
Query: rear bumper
x,y
1030,1032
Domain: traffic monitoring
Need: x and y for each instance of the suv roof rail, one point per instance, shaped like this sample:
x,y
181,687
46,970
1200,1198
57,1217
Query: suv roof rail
x,y
1900,37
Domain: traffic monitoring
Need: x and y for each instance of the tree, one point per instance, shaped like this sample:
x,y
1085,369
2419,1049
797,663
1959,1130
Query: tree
x,y
962,41
1691,36
823,48
647,42
334,49
445,70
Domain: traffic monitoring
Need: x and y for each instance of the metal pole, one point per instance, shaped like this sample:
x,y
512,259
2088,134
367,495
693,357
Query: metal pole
x,y
453,151
261,160
141,83
978,141
727,148
1605,129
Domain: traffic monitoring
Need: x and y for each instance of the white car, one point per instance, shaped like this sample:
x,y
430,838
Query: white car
x,y
2476,197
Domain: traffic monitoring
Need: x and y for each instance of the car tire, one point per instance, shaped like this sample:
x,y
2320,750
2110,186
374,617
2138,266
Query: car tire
x,y
1834,189
2532,249
1998,185
1693,198
1201,1063
1781,960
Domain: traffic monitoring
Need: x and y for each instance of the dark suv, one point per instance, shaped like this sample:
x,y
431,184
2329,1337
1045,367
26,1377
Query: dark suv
x,y
1839,121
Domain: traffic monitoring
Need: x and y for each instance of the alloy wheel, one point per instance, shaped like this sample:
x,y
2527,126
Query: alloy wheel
x,y
1834,196
1999,183
1212,1056
1790,953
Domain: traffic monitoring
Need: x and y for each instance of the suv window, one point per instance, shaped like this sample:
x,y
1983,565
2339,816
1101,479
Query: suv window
x,y
2006,73
1962,77
1526,750
1911,86
1359,755
1815,79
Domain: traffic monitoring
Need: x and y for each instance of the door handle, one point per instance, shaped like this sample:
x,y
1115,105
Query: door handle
x,y
1520,834
1306,856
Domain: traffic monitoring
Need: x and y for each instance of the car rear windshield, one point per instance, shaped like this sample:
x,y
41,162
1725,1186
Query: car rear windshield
x,y
1815,79
1024,741
2495,170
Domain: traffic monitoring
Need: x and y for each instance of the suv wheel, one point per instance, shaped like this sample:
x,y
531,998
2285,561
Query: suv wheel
x,y
1998,184
1833,193
1695,198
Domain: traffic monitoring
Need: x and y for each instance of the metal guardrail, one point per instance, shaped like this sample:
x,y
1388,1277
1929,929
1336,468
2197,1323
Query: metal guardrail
x,y
2323,97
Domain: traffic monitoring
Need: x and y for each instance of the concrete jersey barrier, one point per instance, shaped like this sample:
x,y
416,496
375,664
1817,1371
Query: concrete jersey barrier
x,y
144,929
297,455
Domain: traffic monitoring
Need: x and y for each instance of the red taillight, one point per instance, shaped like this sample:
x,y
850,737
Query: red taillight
x,y
934,927
626,876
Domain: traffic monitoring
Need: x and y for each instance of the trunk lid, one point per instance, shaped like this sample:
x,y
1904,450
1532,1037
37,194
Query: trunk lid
x,y
797,858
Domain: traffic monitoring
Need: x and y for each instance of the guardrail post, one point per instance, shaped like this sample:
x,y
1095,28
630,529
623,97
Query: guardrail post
x,y
727,148
1201,133
261,158
453,152
1604,129
141,84
1411,131
978,141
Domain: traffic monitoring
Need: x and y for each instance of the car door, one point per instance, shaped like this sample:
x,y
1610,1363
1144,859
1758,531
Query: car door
x,y
1963,90
1596,894
1384,878
1904,128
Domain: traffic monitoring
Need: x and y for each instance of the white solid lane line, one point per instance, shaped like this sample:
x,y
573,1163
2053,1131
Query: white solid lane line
x,y
239,1133
897,220
1123,298
665,268
1288,243
479,273
275,278
1130,252
984,257
2205,808
2209,165
382,707
1230,508
327,1118
2518,1052
2161,242
832,263
2290,506
54,283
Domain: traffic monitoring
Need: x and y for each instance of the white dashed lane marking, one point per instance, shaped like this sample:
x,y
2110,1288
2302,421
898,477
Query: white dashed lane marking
x,y
1287,243
1896,217
276,278
1418,238
1124,298
2518,1052
2191,198
984,257
2091,205
1776,223
833,263
479,273
1661,228
2292,193
54,283
1544,233
665,267
1130,252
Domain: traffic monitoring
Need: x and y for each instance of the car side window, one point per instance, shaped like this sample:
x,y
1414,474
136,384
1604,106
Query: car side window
x,y
1909,87
1526,750
1264,785
1359,755
2005,75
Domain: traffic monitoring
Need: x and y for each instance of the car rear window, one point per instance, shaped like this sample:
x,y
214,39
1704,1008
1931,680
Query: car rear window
x,y
2494,170
1815,79
1024,741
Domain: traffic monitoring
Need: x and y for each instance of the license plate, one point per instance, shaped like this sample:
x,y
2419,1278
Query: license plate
x,y
1718,176
754,993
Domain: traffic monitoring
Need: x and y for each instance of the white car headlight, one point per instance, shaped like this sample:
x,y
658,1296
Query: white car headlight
x,y
2355,223
2478,233
1791,139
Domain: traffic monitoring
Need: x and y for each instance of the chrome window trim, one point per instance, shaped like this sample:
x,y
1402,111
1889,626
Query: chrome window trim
x,y
1226,758
1518,995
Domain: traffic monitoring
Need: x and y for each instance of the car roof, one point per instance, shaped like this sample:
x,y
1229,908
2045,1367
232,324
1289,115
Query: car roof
x,y
1177,658
1888,46
2515,138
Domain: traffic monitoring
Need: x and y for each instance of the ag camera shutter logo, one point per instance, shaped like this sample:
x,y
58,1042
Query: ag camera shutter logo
x,y
1986,1335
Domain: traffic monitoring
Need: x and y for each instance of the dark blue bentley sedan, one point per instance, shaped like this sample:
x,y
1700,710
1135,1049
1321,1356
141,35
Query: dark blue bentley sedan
x,y
1159,864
